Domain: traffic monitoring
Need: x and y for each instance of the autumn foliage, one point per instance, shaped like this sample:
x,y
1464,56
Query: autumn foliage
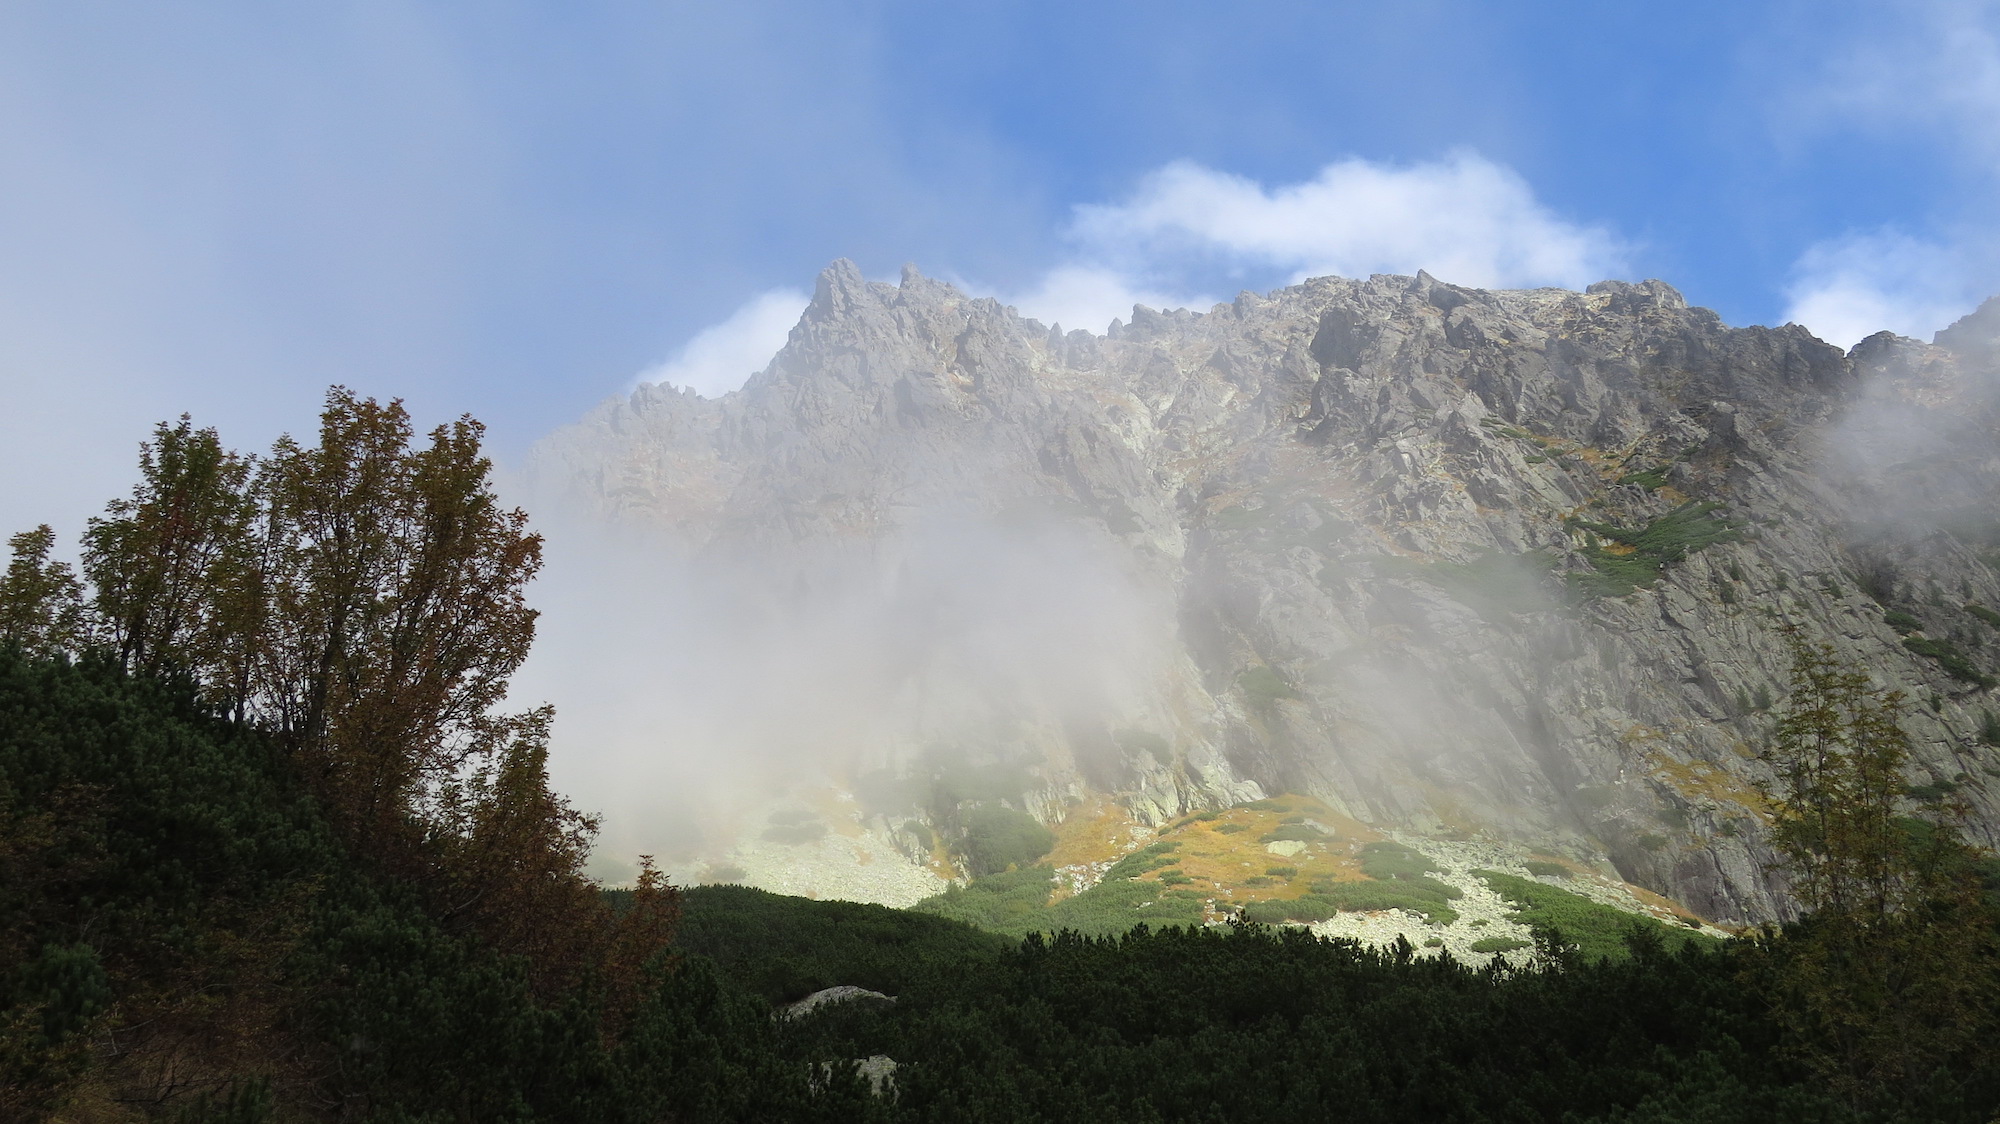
x,y
360,598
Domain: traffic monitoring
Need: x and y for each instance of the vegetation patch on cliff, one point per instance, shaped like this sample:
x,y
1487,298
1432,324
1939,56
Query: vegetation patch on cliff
x,y
1595,930
1951,658
1624,560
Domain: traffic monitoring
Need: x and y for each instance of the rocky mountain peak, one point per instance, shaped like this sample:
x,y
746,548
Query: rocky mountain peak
x,y
1513,564
1975,337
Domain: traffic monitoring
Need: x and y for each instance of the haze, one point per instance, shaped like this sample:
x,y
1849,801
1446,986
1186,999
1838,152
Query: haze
x,y
517,215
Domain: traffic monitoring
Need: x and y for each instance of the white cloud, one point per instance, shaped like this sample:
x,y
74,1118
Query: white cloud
x,y
1933,64
1465,219
1189,230
1921,67
1092,296
721,357
1849,288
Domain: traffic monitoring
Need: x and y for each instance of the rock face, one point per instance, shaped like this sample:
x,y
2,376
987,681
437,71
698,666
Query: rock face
x,y
1518,564
841,993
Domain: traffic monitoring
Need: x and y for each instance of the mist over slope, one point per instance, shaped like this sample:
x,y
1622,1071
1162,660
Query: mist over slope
x,y
1514,564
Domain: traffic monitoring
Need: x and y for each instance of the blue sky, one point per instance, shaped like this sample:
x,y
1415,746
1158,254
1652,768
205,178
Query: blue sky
x,y
517,209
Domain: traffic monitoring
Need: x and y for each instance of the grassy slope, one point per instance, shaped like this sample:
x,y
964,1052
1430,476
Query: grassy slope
x,y
1204,867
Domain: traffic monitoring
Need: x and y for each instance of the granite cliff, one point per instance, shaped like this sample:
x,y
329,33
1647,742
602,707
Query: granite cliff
x,y
1508,565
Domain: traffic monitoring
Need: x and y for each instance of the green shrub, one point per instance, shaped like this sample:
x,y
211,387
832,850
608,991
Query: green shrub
x,y
1650,479
1292,832
1231,828
167,882
1659,544
1499,944
1950,658
1111,908
1386,860
1984,614
1013,903
1417,894
1878,578
1264,686
998,837
1151,857
1282,871
785,947
1597,930
1902,622
1423,896
1989,728
1931,792
1266,806
1546,869
1271,913
1174,878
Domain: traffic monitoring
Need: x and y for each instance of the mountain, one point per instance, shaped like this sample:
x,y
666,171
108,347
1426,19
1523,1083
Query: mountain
x,y
1500,565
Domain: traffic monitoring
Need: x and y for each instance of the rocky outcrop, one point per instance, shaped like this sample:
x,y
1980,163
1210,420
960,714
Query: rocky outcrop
x,y
841,993
1513,564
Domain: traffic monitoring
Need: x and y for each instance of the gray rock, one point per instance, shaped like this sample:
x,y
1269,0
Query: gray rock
x,y
880,1070
1371,489
844,993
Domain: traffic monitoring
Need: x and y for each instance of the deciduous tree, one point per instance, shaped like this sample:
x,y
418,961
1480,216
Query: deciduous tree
x,y
396,611
168,564
41,602
362,598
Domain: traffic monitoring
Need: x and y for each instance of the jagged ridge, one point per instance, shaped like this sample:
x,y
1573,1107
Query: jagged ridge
x,y
1375,520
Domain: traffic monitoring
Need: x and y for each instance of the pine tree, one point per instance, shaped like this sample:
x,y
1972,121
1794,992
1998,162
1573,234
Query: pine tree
x,y
1890,980
1839,755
